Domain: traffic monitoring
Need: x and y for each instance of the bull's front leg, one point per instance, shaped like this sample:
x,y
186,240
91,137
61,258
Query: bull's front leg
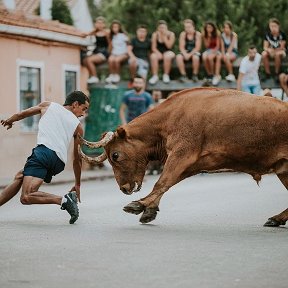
x,y
170,176
148,205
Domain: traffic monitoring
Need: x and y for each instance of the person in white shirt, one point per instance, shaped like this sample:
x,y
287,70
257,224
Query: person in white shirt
x,y
58,125
119,51
248,78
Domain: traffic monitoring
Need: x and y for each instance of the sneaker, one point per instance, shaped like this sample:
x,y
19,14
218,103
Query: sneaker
x,y
166,78
230,78
216,79
115,78
71,206
182,79
109,79
153,80
195,78
93,79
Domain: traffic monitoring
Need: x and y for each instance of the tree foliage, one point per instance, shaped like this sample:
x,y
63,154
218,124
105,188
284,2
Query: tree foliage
x,y
249,17
61,12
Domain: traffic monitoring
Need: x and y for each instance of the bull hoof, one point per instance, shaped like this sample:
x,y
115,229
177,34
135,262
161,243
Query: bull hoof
x,y
274,223
134,208
149,215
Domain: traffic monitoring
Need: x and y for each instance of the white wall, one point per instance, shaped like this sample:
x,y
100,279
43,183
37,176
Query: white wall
x,y
81,16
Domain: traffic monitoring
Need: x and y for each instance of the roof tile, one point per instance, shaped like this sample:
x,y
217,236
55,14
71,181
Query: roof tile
x,y
18,18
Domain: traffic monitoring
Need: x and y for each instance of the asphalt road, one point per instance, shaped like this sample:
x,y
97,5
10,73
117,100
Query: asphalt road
x,y
208,233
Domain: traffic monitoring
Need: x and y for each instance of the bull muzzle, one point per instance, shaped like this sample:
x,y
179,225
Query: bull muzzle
x,y
129,189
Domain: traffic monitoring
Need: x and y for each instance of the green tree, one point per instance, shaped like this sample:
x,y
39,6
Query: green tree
x,y
249,17
61,12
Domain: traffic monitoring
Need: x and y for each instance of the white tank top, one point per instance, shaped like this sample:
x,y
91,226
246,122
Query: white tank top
x,y
56,129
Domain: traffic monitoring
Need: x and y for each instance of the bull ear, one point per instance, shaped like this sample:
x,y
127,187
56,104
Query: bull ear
x,y
121,132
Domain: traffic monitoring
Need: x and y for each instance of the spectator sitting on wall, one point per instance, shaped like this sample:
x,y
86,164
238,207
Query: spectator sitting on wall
x,y
189,46
284,82
211,39
274,46
101,51
161,44
135,102
229,51
248,78
138,51
119,51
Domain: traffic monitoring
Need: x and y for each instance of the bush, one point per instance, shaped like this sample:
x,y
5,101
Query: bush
x,y
61,12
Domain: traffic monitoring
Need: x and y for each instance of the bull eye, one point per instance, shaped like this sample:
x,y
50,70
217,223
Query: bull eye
x,y
115,156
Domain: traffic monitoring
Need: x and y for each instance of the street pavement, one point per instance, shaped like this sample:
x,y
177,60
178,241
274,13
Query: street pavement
x,y
209,233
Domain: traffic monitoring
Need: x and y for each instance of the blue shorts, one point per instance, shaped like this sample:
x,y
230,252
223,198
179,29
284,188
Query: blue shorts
x,y
43,163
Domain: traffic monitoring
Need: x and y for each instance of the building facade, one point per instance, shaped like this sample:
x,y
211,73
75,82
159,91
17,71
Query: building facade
x,y
40,61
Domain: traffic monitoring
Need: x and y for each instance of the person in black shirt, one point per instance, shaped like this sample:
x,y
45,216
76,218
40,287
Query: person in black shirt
x,y
274,47
139,50
190,42
161,45
100,53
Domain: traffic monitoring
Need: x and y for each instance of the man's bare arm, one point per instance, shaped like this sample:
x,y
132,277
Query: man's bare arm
x,y
77,162
122,113
38,109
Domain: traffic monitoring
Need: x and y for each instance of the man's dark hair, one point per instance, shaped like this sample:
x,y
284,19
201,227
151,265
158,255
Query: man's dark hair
x,y
274,20
78,96
143,26
251,47
139,76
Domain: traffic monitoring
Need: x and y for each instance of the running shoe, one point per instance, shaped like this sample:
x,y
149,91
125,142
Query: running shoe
x,y
71,206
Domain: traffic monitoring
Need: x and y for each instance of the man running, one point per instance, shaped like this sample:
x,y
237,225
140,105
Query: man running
x,y
57,126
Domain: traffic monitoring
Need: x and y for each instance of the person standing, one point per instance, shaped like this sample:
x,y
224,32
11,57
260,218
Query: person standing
x,y
248,78
57,126
135,102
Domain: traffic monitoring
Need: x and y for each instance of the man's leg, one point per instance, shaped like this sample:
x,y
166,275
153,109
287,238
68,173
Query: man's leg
x,y
11,190
32,195
284,82
265,57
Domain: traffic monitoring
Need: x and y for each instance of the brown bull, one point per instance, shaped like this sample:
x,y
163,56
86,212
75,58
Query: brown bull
x,y
196,130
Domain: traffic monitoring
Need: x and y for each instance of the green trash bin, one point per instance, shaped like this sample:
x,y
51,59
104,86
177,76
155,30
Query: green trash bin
x,y
103,114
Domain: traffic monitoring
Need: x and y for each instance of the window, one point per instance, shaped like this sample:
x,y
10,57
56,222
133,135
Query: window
x,y
71,78
30,94
70,82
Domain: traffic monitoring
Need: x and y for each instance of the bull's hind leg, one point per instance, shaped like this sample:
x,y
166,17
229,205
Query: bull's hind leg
x,y
281,218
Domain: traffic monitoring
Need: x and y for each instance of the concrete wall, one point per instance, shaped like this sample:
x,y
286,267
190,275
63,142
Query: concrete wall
x,y
16,145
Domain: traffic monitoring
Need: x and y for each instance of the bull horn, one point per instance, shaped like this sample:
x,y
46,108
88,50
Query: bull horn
x,y
92,160
106,139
